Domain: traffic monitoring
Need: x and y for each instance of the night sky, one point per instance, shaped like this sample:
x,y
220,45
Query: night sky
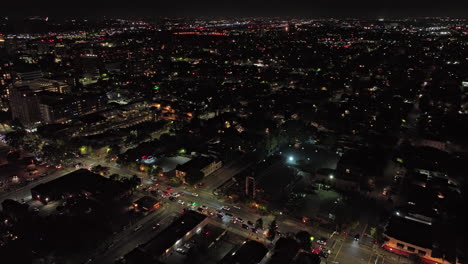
x,y
303,8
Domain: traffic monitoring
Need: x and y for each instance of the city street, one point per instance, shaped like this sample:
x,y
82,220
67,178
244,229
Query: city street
x,y
343,250
348,251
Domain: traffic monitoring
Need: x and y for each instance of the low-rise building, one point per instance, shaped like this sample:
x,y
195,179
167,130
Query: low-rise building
x,y
415,239
146,203
205,165
80,183
170,238
251,252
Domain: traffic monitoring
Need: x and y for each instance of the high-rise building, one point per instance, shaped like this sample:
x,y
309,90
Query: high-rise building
x,y
250,186
6,78
2,41
56,108
24,105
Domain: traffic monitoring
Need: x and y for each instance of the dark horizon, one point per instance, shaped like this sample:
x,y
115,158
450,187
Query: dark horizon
x,y
337,8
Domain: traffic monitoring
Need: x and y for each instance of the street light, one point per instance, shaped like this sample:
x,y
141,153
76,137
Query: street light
x,y
291,158
331,176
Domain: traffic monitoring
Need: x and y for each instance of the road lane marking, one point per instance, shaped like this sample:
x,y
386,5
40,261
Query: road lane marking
x,y
370,258
338,252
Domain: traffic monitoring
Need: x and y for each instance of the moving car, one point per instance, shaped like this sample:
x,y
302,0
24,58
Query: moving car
x,y
322,241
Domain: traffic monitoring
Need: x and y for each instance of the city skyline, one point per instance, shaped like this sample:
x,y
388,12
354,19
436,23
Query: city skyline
x,y
128,139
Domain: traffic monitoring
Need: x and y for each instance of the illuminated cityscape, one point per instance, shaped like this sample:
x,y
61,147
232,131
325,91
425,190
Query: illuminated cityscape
x,y
233,140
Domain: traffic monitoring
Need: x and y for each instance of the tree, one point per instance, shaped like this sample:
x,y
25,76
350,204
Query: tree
x,y
135,180
303,238
272,230
114,177
377,234
15,139
175,180
259,223
56,154
112,151
194,177
13,156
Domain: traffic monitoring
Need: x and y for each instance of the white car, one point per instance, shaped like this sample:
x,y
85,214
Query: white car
x,y
181,202
237,207
225,208
195,194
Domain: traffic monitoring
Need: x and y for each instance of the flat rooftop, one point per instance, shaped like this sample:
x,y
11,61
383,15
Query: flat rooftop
x,y
169,236
79,181
409,231
251,252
